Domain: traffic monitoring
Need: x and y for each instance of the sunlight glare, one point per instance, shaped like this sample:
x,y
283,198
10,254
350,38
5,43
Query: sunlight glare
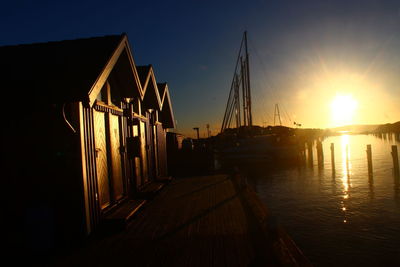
x,y
343,108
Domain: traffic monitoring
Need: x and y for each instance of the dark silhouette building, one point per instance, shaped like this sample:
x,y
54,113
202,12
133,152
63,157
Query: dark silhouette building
x,y
84,130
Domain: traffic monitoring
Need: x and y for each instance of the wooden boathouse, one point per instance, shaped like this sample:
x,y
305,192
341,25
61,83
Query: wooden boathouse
x,y
84,132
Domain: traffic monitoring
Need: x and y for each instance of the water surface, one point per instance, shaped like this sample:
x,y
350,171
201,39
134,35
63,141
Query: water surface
x,y
343,217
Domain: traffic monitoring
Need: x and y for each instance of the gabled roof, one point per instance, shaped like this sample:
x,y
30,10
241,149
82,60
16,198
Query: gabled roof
x,y
75,70
167,113
143,72
162,87
122,50
151,95
62,71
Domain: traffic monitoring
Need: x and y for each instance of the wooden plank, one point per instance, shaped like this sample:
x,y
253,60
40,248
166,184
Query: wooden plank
x,y
196,221
150,190
119,218
126,211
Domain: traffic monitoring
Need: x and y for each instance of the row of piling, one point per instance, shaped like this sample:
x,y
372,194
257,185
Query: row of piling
x,y
320,157
388,136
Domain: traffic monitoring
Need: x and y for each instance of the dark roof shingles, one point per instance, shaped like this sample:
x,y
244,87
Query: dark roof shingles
x,y
55,71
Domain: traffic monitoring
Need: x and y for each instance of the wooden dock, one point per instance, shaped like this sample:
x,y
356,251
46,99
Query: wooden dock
x,y
194,221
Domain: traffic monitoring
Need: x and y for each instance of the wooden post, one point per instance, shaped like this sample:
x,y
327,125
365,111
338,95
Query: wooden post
x,y
395,157
369,157
333,156
320,154
300,154
310,153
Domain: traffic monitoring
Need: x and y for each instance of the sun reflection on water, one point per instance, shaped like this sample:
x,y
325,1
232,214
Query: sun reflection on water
x,y
346,172
359,210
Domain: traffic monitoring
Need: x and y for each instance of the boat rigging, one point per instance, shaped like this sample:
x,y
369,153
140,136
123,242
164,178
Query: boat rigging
x,y
240,84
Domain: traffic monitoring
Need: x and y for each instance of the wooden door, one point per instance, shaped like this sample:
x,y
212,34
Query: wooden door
x,y
101,159
150,148
116,160
138,159
143,148
161,151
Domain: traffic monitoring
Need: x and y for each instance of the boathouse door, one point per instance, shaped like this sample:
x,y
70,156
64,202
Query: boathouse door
x,y
143,148
151,146
101,159
115,152
110,178
161,151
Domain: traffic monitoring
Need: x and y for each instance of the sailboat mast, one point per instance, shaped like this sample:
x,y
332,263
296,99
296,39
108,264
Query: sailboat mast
x,y
241,78
248,93
244,91
277,114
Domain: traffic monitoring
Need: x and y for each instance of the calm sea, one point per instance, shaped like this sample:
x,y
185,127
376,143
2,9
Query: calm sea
x,y
340,218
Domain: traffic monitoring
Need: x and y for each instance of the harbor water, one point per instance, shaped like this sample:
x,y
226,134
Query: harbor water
x,y
340,216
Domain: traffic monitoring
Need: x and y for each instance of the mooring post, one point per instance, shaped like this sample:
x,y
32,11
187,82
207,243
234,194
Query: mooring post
x,y
310,153
395,157
301,153
369,157
320,154
333,156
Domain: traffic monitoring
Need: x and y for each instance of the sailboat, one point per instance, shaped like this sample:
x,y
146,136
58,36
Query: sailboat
x,y
239,140
240,84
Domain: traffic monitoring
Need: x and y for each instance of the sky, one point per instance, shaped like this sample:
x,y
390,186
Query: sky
x,y
325,63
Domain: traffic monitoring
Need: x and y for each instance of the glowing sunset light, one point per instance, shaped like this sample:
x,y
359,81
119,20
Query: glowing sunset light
x,y
343,109
342,96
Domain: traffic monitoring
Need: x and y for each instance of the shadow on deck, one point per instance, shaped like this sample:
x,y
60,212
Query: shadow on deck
x,y
209,220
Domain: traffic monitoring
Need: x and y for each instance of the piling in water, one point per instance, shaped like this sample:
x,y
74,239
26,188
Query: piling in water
x,y
369,157
333,157
302,155
395,157
310,153
320,154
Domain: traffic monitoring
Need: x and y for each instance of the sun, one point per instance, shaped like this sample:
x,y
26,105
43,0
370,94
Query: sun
x,y
343,109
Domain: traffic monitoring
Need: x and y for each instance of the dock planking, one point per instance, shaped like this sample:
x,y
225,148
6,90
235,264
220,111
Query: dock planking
x,y
120,218
193,221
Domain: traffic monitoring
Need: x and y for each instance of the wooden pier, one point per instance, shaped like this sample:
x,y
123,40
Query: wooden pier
x,y
213,220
